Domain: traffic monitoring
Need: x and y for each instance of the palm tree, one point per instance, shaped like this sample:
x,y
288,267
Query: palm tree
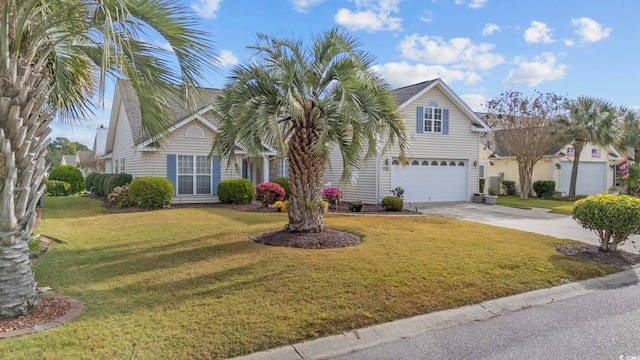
x,y
629,136
55,58
303,101
590,120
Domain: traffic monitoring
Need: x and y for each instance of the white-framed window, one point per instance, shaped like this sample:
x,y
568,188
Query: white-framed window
x,y
117,167
194,175
122,170
283,168
195,132
481,171
433,120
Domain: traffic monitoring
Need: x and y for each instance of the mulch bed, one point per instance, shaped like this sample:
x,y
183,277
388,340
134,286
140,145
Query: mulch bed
x,y
49,309
327,239
585,252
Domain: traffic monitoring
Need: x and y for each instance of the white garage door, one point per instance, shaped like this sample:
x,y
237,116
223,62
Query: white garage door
x,y
592,178
427,180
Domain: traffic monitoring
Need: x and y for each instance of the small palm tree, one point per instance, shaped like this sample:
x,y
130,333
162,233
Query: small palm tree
x,y
303,101
590,120
55,59
629,136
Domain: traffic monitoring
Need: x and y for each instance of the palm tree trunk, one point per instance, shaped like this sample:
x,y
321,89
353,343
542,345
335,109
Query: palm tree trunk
x,y
578,145
306,171
24,121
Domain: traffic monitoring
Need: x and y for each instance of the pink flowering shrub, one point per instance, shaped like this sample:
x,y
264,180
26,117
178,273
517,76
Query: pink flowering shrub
x,y
332,195
268,193
119,197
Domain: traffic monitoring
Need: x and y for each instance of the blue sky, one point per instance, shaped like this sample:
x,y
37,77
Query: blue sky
x,y
480,48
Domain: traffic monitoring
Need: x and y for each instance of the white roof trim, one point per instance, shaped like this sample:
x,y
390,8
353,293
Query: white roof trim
x,y
453,97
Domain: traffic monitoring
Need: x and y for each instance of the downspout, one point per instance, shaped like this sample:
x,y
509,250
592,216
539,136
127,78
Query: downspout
x,y
377,179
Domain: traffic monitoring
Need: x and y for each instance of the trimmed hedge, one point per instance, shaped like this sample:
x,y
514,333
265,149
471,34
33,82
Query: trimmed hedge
x,y
58,188
393,203
284,182
613,217
544,189
235,191
150,192
88,181
69,174
115,180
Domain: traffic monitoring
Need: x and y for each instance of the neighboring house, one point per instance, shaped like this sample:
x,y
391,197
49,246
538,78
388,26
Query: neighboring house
x,y
181,154
596,171
69,160
442,164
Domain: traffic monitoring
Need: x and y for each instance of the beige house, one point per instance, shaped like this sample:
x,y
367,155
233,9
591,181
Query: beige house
x,y
443,157
596,171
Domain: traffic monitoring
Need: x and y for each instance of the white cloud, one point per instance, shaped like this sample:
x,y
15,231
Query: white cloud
x,y
590,30
427,16
403,73
476,102
489,29
476,4
569,42
460,52
207,9
370,15
304,5
227,58
539,32
543,68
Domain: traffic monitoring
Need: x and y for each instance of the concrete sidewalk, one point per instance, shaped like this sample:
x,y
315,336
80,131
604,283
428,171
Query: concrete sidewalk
x,y
397,330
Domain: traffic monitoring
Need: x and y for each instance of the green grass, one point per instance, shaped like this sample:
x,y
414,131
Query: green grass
x,y
188,283
556,206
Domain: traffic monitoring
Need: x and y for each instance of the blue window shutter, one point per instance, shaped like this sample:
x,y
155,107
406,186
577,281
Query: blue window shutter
x,y
172,173
216,174
445,121
420,120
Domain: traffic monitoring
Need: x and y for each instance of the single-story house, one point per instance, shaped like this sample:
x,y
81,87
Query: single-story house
x,y
442,166
596,171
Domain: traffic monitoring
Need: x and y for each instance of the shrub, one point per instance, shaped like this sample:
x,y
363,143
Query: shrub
x,y
70,174
97,183
88,181
269,192
119,197
332,195
612,217
115,180
393,203
544,189
235,191
481,185
151,192
58,188
509,187
284,182
280,206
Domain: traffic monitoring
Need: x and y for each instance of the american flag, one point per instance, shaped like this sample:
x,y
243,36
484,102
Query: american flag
x,y
595,153
569,151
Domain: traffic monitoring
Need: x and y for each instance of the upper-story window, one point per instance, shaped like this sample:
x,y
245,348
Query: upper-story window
x,y
433,120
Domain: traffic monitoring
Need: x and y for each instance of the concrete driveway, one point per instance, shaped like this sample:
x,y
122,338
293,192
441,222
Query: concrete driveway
x,y
540,221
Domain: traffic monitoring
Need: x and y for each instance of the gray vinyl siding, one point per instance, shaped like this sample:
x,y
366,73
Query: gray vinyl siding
x,y
364,188
155,162
123,147
459,144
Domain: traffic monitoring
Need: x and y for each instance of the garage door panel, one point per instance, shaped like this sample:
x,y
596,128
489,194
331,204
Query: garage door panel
x,y
432,183
592,178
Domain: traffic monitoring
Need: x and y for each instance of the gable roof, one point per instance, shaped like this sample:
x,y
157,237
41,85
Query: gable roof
x,y
494,141
68,160
176,111
406,95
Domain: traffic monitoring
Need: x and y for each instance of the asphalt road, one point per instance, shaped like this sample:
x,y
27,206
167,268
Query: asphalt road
x,y
600,325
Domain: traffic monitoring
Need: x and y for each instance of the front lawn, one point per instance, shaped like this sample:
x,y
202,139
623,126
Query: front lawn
x,y
188,283
556,206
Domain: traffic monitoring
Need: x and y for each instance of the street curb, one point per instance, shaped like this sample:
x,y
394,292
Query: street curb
x,y
74,312
406,328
